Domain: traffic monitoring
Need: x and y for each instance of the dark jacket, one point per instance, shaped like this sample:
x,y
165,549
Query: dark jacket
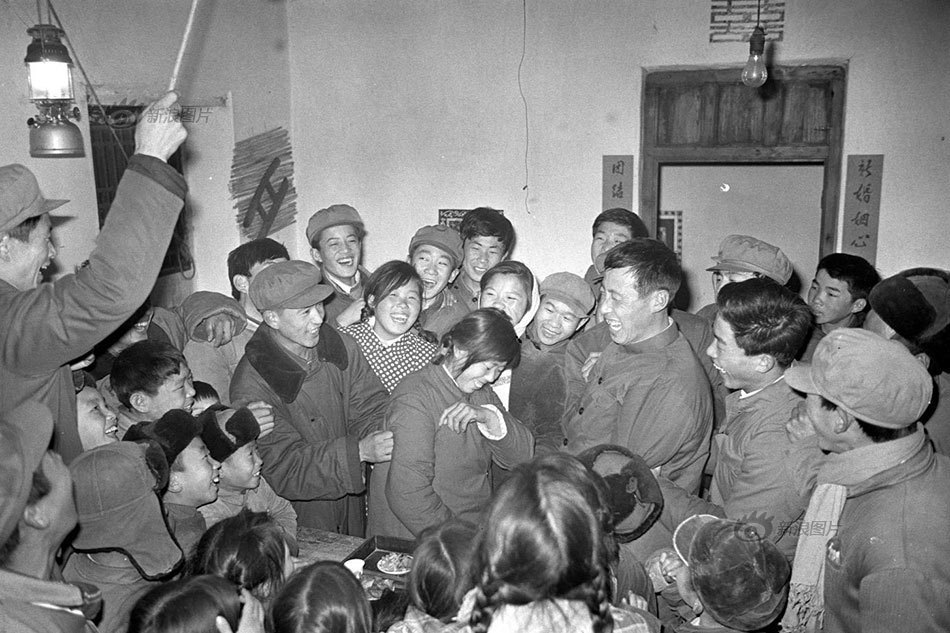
x,y
43,329
321,411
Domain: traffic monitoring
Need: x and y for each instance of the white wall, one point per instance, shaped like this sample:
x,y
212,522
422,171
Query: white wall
x,y
403,107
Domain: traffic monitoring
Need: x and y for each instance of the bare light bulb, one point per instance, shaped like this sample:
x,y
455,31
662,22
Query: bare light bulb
x,y
755,73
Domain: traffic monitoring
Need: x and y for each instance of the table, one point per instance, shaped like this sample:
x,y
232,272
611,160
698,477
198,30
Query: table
x,y
318,544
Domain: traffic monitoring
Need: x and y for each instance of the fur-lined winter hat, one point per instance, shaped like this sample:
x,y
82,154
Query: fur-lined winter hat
x,y
633,494
225,430
173,432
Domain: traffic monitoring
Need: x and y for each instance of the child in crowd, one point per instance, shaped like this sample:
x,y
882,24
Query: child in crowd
x,y
838,296
510,287
205,396
439,579
612,227
200,604
542,561
215,364
149,379
336,245
440,460
436,254
744,257
123,546
730,578
248,549
193,476
386,334
97,422
231,438
324,597
487,238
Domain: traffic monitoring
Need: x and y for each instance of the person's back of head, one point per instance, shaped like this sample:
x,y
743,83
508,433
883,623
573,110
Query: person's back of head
x,y
248,255
440,568
248,549
324,597
765,318
544,540
488,222
189,605
653,265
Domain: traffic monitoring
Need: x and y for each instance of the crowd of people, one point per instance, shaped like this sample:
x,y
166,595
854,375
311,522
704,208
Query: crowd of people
x,y
567,454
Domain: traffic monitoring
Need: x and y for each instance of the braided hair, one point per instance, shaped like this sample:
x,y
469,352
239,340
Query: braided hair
x,y
544,540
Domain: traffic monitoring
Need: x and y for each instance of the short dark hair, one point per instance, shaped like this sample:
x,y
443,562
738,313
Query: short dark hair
x,y
249,254
487,222
487,335
21,232
246,549
623,217
188,604
653,264
766,318
515,269
324,596
390,276
144,366
440,568
204,391
856,271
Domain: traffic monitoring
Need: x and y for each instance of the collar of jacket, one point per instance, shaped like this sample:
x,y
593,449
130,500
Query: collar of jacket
x,y
278,368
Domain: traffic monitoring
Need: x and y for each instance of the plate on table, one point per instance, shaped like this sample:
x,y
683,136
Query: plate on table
x,y
395,564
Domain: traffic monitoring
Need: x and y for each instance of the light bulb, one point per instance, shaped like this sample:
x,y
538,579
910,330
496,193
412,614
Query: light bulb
x,y
755,73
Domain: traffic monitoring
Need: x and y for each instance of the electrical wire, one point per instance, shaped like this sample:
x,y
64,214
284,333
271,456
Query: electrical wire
x,y
524,46
89,86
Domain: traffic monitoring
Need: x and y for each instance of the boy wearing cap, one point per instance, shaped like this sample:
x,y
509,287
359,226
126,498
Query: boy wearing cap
x,y
838,296
231,438
730,578
875,532
44,326
487,238
193,473
436,253
328,403
336,245
913,308
744,257
612,227
759,328
123,546
37,511
215,364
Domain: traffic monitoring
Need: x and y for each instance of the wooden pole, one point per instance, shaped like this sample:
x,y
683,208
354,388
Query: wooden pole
x,y
184,43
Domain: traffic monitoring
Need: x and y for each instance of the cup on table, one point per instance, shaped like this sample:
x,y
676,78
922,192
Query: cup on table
x,y
355,565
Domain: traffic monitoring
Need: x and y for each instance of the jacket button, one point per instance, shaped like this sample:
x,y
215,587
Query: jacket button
x,y
565,441
600,380
580,411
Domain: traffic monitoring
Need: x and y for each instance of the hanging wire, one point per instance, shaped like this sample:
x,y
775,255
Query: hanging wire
x,y
524,46
89,86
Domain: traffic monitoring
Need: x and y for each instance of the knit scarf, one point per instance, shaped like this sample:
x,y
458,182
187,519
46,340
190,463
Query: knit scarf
x,y
841,476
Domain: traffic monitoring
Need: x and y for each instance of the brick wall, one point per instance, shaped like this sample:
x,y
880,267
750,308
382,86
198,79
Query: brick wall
x,y
733,20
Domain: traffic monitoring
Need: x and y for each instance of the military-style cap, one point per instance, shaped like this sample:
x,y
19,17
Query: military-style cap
x,y
746,254
872,378
293,284
570,289
20,197
334,215
440,236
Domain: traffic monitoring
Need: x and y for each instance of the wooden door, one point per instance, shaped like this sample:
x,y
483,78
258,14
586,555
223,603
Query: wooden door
x,y
709,116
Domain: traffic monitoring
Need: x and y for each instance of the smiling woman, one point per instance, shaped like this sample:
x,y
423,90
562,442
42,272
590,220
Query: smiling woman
x,y
441,460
